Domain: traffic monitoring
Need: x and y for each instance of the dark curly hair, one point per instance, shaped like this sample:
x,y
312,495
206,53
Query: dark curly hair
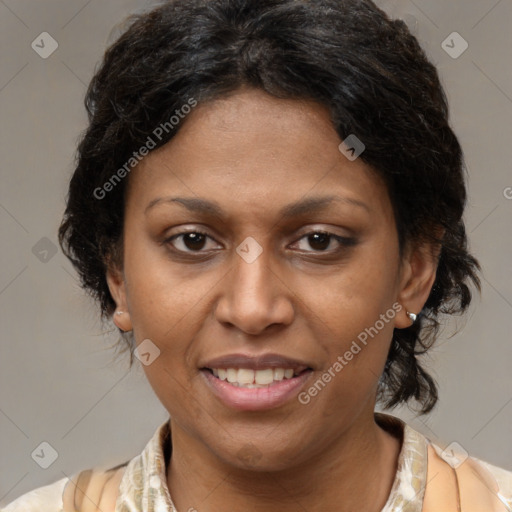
x,y
348,55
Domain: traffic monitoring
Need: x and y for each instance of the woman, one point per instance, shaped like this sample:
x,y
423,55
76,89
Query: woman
x,y
268,203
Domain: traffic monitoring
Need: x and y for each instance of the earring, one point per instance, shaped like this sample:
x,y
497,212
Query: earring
x,y
119,312
411,316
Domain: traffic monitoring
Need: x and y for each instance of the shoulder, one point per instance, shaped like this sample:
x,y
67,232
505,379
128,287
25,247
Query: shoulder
x,y
89,488
501,479
481,486
93,488
43,499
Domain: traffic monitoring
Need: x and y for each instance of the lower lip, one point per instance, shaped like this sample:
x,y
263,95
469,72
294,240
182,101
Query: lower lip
x,y
256,399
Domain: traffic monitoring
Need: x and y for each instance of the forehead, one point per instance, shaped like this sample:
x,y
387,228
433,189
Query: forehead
x,y
250,149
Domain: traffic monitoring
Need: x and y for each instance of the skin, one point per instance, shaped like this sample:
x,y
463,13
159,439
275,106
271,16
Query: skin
x,y
254,154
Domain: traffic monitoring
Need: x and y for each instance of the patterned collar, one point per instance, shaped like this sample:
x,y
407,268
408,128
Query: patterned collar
x,y
408,488
144,483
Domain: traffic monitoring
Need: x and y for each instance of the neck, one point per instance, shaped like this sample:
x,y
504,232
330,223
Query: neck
x,y
355,472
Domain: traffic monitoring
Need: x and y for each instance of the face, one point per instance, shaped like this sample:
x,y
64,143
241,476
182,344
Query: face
x,y
255,251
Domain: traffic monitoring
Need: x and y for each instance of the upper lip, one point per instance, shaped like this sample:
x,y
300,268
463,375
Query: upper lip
x,y
256,362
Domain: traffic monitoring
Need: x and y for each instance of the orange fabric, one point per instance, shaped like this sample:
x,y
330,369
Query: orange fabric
x,y
477,488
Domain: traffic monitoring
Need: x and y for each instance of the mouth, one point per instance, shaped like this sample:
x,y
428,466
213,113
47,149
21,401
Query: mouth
x,y
255,379
255,383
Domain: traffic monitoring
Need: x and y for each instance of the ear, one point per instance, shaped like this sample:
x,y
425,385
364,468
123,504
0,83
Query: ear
x,y
418,275
117,286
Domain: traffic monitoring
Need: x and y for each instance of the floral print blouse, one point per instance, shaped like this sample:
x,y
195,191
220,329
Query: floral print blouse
x,y
143,486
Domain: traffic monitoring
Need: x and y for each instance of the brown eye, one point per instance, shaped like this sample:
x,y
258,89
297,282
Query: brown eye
x,y
189,241
194,241
320,241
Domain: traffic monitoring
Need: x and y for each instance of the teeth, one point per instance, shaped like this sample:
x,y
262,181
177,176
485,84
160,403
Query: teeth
x,y
247,378
278,373
264,376
232,375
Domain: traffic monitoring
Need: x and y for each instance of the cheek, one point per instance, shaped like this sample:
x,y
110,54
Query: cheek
x,y
352,298
353,312
174,389
355,361
162,296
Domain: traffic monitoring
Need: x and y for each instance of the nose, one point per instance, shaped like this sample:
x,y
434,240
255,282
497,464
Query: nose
x,y
255,296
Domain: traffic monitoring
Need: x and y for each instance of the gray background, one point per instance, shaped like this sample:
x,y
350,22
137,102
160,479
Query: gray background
x,y
59,380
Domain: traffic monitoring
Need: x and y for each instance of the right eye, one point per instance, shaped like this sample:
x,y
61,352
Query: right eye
x,y
189,241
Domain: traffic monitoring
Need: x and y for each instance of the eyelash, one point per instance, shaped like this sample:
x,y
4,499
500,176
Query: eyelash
x,y
344,242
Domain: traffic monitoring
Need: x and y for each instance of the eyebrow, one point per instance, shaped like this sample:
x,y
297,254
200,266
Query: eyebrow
x,y
309,205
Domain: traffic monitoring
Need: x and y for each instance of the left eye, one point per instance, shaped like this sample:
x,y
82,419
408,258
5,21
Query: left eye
x,y
321,240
